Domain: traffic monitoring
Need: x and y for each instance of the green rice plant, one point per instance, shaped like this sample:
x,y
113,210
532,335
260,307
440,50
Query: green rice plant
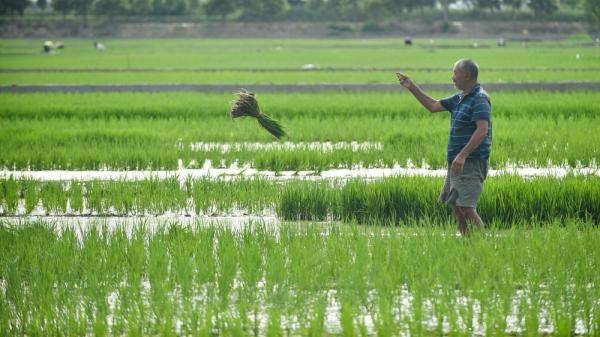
x,y
183,54
54,197
154,131
30,191
301,201
151,270
76,198
288,77
10,195
506,199
226,272
94,193
120,196
247,105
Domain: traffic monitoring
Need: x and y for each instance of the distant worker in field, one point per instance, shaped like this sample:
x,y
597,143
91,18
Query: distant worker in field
x,y
470,140
99,46
48,47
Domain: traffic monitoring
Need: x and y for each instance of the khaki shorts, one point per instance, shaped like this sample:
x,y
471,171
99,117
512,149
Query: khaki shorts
x,y
464,189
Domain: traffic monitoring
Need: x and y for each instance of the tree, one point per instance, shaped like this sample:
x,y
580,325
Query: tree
x,y
593,9
574,4
375,9
345,9
110,8
140,7
82,7
487,4
543,7
13,6
261,9
42,4
395,6
220,8
62,6
515,5
446,9
421,4
169,7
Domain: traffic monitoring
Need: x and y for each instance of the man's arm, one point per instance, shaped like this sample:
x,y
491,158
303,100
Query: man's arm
x,y
429,103
476,139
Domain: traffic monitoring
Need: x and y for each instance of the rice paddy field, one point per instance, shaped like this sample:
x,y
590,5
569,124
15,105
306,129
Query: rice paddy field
x,y
155,214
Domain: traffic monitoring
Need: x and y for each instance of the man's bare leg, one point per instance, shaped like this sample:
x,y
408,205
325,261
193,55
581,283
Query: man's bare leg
x,y
471,216
460,218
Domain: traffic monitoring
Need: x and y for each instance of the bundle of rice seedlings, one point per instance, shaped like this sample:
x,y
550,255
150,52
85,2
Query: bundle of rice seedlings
x,y
247,105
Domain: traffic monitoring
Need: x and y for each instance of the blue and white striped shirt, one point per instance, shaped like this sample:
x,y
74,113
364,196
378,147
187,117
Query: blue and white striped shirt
x,y
466,111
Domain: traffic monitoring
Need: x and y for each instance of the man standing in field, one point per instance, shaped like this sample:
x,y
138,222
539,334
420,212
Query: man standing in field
x,y
470,140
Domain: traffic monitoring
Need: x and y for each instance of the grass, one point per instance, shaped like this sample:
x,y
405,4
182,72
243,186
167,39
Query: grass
x,y
272,61
535,264
506,200
283,77
302,279
139,131
151,196
293,53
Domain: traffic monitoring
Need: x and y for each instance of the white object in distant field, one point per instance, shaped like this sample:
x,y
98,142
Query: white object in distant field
x,y
48,46
310,66
99,46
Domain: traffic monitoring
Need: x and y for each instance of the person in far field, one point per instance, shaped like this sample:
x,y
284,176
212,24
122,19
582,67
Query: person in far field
x,y
470,140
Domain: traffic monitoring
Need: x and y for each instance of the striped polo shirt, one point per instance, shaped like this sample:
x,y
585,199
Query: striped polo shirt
x,y
465,111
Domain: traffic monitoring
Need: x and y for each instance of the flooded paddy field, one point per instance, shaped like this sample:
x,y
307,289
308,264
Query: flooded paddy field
x,y
151,213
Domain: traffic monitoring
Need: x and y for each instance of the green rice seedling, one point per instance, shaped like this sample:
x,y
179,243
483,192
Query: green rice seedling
x,y
141,130
10,195
301,201
399,200
30,193
95,197
286,77
76,197
54,197
226,272
204,260
120,196
399,264
274,324
158,277
317,320
181,55
247,105
251,267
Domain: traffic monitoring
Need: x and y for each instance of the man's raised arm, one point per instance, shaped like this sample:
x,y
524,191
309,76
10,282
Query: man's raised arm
x,y
429,103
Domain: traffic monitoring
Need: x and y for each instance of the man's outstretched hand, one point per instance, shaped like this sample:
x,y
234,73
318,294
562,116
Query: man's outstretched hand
x,y
404,80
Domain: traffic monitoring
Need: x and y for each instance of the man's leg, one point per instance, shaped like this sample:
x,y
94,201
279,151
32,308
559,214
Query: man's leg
x,y
460,218
471,216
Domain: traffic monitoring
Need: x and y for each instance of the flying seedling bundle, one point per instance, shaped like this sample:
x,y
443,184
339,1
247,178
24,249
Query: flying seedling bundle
x,y
247,105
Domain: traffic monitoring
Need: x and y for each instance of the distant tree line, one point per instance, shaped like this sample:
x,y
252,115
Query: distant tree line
x,y
271,10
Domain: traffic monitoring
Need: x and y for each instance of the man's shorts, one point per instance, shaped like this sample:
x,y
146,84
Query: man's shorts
x,y
465,188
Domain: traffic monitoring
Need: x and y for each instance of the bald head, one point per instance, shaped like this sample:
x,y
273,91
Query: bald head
x,y
465,74
468,67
